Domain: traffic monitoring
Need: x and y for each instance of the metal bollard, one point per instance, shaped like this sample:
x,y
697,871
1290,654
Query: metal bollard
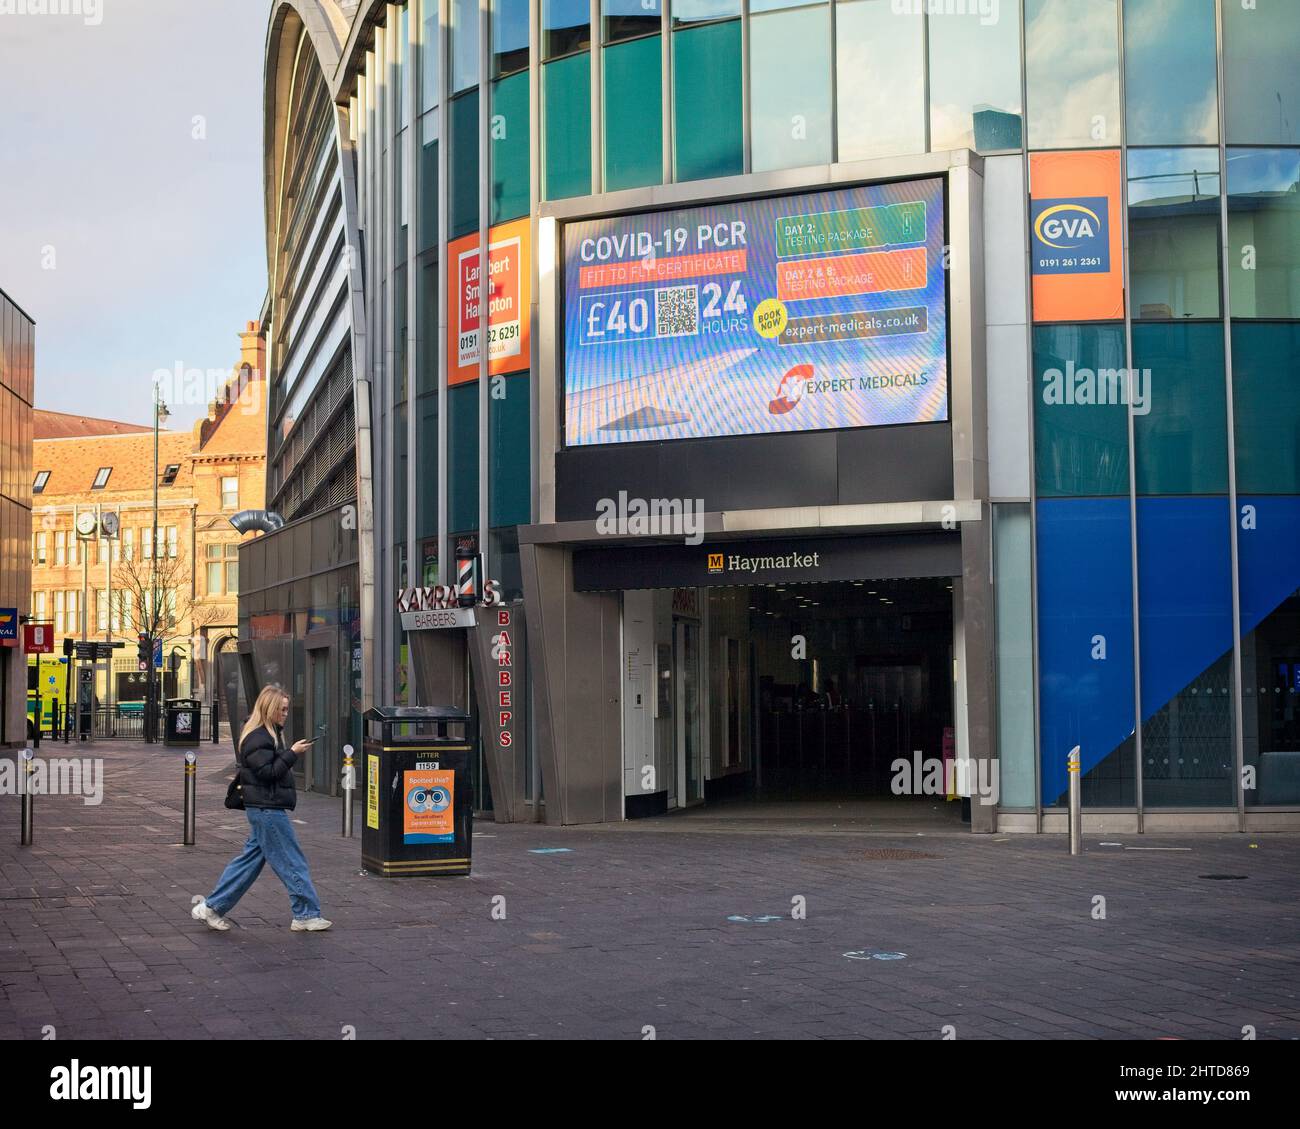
x,y
191,781
1076,801
349,785
27,767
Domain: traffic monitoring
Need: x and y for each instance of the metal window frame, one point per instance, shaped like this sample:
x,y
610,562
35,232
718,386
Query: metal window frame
x,y
1238,705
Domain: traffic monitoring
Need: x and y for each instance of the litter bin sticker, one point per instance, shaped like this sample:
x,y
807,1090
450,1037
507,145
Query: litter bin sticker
x,y
428,813
184,723
372,792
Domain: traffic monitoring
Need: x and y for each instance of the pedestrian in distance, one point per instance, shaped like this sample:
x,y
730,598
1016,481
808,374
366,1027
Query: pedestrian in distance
x,y
264,770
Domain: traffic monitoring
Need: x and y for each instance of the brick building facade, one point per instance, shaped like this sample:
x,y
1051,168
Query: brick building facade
x,y
90,585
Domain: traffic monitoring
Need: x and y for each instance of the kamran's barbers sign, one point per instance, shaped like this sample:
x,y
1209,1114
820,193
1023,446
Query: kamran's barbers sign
x,y
440,605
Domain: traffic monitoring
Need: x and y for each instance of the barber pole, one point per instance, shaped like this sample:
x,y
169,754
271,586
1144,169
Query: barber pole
x,y
467,574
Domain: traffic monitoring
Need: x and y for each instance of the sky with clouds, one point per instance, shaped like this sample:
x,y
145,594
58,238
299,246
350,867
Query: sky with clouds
x,y
135,245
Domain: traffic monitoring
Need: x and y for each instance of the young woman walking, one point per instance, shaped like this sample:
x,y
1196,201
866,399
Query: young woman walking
x,y
265,769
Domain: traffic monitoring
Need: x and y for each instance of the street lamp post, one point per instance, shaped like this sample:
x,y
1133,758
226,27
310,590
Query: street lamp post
x,y
160,413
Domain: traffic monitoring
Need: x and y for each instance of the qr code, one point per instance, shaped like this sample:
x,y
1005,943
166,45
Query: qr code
x,y
677,311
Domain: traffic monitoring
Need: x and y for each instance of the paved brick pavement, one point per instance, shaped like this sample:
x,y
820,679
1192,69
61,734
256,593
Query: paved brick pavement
x,y
629,929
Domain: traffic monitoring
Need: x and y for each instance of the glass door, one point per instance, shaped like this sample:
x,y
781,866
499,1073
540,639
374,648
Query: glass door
x,y
686,645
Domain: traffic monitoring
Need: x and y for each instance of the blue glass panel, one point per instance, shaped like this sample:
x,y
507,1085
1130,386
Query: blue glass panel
x,y
1185,634
1085,646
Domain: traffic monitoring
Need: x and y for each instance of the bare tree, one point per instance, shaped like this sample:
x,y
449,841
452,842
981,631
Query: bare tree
x,y
154,598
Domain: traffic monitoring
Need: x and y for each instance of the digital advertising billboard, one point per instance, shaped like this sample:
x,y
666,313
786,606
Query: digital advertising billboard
x,y
786,314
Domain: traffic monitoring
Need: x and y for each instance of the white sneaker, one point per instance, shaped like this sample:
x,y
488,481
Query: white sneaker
x,y
201,912
309,924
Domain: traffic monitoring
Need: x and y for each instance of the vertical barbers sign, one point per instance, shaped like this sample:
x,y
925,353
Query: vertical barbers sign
x,y
498,662
499,658
503,655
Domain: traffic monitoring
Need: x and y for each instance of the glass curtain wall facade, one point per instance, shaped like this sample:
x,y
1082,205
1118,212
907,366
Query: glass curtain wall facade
x,y
1166,529
299,603
1147,584
440,166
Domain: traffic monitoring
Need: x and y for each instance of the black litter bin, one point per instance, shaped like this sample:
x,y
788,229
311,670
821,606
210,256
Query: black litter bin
x,y
419,800
183,720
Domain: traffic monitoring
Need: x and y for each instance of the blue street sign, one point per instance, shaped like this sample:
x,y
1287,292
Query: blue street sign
x,y
157,653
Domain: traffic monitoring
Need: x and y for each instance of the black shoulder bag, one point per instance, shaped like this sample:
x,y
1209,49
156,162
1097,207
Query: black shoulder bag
x,y
235,790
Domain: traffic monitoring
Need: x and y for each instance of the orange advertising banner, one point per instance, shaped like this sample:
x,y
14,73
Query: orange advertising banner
x,y
509,295
429,813
868,272
1076,254
651,269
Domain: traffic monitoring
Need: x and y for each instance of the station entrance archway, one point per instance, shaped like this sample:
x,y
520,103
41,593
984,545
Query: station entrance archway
x,y
793,692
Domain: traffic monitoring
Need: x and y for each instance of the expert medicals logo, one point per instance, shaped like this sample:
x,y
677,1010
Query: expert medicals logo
x,y
1071,236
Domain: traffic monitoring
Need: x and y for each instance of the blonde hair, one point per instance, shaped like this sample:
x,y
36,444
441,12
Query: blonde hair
x,y
267,701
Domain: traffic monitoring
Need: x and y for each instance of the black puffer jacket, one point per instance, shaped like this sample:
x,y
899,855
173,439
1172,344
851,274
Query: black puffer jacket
x,y
266,770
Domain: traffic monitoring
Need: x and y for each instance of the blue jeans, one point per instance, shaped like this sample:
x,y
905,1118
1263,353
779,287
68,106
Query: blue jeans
x,y
271,839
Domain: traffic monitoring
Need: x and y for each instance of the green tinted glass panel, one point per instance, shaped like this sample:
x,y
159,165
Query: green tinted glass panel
x,y
1181,442
464,43
1173,223
566,105
1171,95
880,79
400,334
509,37
1261,89
1072,73
510,148
462,165
975,81
633,114
566,27
427,226
1264,232
426,436
426,312
790,100
1266,406
707,119
462,442
629,19
509,435
401,447
1081,392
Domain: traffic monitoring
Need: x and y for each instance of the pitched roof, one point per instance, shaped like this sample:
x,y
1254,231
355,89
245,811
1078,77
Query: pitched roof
x,y
73,462
63,425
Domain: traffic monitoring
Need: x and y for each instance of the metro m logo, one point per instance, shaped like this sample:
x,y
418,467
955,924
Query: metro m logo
x,y
715,562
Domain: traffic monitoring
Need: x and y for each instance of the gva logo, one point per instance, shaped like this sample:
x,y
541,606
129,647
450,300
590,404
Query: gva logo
x,y
1072,236
1067,226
